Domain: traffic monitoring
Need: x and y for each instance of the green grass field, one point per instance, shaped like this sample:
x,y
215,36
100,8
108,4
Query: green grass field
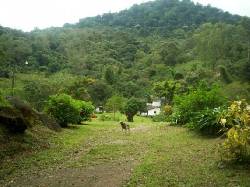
x,y
100,154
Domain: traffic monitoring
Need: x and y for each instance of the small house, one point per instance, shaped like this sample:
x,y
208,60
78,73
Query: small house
x,y
153,109
99,109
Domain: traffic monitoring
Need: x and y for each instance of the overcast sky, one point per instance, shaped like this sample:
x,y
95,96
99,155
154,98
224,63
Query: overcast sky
x,y
27,14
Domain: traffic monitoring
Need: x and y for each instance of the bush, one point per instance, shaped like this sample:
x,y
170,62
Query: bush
x,y
207,121
237,121
164,115
187,106
105,117
168,110
160,118
3,101
68,110
175,118
63,109
86,109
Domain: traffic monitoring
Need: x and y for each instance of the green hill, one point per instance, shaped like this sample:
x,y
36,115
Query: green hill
x,y
161,16
125,53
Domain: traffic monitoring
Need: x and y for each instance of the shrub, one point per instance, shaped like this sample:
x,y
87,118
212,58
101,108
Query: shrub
x,y
64,108
164,115
175,118
187,106
68,110
207,121
160,118
85,109
3,101
237,120
167,110
105,117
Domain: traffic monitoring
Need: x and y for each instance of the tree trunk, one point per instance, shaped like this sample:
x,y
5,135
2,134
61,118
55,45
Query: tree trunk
x,y
248,54
114,112
13,83
130,118
114,115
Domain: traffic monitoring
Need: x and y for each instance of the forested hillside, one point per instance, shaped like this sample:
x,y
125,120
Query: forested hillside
x,y
127,53
161,17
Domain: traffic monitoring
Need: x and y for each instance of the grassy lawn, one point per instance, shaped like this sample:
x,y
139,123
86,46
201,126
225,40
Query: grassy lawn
x,y
152,154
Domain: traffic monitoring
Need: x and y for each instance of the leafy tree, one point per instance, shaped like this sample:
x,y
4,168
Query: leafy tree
x,y
220,42
224,74
99,92
245,22
109,76
79,89
166,90
132,107
169,52
37,92
115,103
131,89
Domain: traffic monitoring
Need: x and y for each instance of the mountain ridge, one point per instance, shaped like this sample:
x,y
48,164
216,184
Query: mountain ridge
x,y
160,14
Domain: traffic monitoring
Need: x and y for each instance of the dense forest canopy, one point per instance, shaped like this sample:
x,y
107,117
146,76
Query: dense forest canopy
x,y
126,53
160,16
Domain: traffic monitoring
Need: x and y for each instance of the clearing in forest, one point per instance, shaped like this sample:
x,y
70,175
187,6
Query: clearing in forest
x,y
100,154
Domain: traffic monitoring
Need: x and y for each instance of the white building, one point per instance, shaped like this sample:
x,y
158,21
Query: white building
x,y
153,109
99,109
156,104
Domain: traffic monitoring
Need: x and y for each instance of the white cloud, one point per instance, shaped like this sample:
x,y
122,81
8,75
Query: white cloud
x,y
27,14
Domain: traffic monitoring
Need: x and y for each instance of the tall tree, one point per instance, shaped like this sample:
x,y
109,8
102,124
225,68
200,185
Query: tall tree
x,y
166,90
109,76
115,103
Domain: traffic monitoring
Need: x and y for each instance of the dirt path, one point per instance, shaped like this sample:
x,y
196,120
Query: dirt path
x,y
153,154
101,168
108,174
